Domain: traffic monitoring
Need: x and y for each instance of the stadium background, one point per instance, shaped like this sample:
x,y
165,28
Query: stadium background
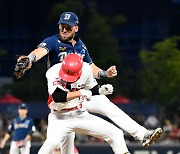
x,y
110,29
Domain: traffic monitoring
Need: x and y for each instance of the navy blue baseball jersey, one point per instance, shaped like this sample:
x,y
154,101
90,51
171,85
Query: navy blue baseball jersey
x,y
57,50
20,128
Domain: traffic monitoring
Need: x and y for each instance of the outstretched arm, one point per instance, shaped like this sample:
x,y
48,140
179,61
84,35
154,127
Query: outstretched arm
x,y
37,54
99,73
24,62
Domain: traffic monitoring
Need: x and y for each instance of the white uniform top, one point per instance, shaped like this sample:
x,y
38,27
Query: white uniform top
x,y
86,81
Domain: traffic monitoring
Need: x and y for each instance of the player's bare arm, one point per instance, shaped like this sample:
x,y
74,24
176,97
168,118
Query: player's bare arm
x,y
63,96
106,89
4,140
28,138
72,95
38,53
99,73
35,55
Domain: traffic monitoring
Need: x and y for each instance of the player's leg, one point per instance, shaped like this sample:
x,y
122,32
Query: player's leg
x,y
102,105
67,145
26,149
13,148
56,132
51,142
100,128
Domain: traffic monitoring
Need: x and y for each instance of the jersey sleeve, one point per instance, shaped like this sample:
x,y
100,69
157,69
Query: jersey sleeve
x,y
87,58
32,127
11,127
85,51
47,43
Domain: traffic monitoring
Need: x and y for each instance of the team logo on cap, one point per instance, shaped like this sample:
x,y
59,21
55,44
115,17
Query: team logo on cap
x,y
67,16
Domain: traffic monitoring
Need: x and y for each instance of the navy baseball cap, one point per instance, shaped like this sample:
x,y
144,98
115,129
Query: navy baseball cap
x,y
69,18
23,106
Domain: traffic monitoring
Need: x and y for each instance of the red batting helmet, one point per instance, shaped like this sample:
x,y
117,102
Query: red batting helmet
x,y
71,68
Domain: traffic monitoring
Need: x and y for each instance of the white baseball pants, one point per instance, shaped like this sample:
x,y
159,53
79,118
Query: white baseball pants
x,y
24,150
61,125
102,105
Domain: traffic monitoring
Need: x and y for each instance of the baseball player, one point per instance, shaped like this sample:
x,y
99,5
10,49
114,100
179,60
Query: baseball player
x,y
21,129
70,84
66,42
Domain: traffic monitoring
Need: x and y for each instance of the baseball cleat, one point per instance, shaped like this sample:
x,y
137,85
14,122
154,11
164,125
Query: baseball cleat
x,y
151,136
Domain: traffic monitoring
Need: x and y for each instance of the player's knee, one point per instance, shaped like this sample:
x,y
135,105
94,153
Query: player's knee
x,y
117,134
53,144
120,132
104,100
114,136
47,147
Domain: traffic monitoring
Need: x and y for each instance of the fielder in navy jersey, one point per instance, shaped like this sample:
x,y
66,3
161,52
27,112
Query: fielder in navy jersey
x,y
20,128
58,46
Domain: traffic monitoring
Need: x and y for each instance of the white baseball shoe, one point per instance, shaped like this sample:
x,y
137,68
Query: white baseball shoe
x,y
151,136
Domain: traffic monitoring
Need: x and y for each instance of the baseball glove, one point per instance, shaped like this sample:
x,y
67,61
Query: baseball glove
x,y
22,65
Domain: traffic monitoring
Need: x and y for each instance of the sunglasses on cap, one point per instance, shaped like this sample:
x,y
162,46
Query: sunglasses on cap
x,y
65,26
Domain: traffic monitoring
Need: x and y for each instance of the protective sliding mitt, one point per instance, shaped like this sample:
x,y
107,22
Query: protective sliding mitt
x,y
106,89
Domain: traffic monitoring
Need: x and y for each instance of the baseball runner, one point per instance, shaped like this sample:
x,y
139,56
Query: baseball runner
x,y
21,129
66,42
70,84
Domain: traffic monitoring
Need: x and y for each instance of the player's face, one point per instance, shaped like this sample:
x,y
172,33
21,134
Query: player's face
x,y
65,82
22,112
67,32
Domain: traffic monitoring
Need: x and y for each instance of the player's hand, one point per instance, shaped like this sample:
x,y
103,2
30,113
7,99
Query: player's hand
x,y
2,144
22,65
111,72
87,94
22,57
106,89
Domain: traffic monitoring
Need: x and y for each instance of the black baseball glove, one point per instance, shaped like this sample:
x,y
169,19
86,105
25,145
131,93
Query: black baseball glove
x,y
22,65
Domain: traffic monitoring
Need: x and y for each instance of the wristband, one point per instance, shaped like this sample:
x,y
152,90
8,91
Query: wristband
x,y
32,57
102,74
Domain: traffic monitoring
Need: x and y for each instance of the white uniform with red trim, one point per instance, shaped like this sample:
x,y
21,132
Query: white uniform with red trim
x,y
67,118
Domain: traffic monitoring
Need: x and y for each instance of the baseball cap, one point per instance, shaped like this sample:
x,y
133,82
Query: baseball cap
x,y
23,106
69,18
